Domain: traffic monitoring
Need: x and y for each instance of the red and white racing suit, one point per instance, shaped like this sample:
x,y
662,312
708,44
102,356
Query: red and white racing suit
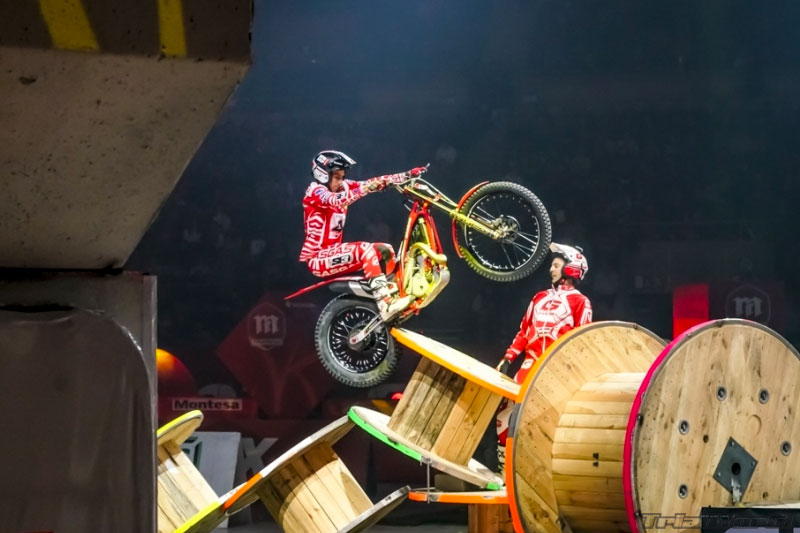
x,y
324,214
550,314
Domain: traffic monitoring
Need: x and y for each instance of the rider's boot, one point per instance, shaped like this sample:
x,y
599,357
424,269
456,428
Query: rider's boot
x,y
385,295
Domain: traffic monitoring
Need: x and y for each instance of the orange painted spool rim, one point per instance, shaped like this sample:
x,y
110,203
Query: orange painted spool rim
x,y
510,388
483,498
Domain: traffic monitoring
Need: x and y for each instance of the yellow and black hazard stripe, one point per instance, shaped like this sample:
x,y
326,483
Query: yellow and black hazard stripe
x,y
173,28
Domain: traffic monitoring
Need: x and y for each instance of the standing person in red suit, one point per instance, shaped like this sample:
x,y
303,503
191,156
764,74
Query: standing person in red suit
x,y
551,313
324,212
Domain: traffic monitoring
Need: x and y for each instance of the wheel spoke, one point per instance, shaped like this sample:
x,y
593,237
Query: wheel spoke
x,y
519,247
367,355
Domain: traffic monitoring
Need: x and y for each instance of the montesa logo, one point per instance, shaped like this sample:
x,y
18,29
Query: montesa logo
x,y
266,327
207,404
750,302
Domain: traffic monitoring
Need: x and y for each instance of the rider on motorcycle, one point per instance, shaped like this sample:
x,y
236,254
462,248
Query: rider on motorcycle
x,y
551,313
324,213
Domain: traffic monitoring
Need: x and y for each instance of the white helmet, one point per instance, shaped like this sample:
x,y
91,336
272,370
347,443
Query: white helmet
x,y
575,264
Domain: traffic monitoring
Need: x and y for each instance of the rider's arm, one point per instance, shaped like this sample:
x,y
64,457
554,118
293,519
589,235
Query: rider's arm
x,y
322,196
355,190
521,339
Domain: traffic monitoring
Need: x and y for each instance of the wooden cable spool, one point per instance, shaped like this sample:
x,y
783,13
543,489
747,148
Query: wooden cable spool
x,y
565,446
719,407
309,489
446,407
711,422
183,493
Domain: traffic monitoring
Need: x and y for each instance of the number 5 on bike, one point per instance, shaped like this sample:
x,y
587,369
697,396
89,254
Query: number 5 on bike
x,y
501,229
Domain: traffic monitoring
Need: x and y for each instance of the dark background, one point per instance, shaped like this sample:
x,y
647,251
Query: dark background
x,y
660,136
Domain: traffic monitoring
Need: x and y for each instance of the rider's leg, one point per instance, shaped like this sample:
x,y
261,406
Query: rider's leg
x,y
387,258
504,415
384,292
338,259
352,256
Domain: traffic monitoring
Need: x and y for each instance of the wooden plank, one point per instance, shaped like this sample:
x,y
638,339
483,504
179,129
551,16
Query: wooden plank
x,y
620,395
598,526
614,500
297,501
594,513
489,519
437,389
473,433
590,435
402,422
452,426
324,461
452,390
576,467
535,513
356,499
587,451
324,490
401,409
575,483
374,514
598,408
601,421
289,517
473,472
182,490
329,434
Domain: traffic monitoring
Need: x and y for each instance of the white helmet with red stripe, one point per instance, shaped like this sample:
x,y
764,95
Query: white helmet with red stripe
x,y
575,264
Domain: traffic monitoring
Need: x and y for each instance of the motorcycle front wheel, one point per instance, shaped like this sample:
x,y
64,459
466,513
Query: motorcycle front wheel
x,y
524,222
368,363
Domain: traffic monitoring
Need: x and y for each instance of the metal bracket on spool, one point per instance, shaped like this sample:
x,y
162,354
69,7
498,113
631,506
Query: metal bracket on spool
x,y
735,469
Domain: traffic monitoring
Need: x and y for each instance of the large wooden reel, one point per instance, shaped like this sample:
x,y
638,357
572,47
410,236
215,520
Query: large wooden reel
x,y
719,408
564,452
611,435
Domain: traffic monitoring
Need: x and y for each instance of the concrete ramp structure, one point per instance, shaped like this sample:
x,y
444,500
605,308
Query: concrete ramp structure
x,y
104,102
103,105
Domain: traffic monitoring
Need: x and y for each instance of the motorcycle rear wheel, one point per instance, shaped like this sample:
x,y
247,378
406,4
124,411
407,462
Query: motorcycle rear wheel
x,y
371,362
523,250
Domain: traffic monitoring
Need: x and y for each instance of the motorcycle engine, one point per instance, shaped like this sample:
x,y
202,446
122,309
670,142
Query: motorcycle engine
x,y
419,284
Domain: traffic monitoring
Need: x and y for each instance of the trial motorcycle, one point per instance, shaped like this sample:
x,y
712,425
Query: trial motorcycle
x,y
501,229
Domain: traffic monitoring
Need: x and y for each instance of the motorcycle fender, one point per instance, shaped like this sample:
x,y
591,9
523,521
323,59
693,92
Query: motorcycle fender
x,y
322,284
460,203
350,287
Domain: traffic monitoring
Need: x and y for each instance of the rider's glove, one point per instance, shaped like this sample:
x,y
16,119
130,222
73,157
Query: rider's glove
x,y
415,172
396,179
503,365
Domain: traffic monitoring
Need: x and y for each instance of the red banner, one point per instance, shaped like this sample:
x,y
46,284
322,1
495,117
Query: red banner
x,y
762,302
689,307
271,352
